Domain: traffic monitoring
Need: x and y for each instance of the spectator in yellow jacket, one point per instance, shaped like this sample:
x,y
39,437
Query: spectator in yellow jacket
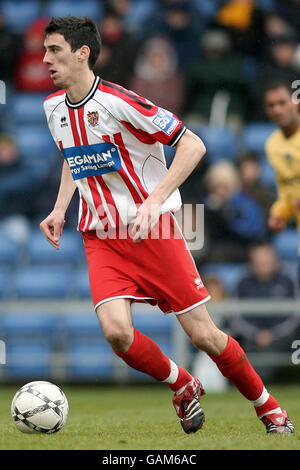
x,y
283,152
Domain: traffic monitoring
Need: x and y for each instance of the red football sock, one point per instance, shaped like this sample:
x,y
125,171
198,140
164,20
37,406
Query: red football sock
x,y
145,356
234,364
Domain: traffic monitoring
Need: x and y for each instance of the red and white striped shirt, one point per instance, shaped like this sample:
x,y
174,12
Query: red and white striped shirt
x,y
113,142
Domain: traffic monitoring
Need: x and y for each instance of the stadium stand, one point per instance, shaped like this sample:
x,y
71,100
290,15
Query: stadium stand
x,y
90,8
28,109
220,142
228,273
255,136
286,244
69,254
16,22
9,251
43,282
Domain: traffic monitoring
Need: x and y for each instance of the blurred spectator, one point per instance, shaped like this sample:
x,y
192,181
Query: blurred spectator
x,y
31,74
215,80
156,75
290,11
233,219
266,279
181,24
271,333
18,180
281,63
118,51
244,21
9,46
135,14
250,173
215,288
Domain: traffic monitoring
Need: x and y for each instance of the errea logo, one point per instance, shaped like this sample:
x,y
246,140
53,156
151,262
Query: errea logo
x,y
199,283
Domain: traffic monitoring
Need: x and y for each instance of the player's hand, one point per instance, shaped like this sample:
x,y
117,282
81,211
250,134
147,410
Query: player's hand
x,y
276,223
52,227
146,218
297,204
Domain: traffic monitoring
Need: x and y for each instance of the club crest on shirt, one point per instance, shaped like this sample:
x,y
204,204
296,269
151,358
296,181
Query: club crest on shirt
x,y
93,118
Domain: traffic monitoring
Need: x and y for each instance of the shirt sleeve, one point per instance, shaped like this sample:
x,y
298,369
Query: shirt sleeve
x,y
146,121
283,206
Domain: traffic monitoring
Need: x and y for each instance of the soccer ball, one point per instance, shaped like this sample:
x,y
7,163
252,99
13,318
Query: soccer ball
x,y
39,407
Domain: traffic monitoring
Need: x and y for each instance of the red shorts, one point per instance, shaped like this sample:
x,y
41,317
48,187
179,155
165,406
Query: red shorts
x,y
157,271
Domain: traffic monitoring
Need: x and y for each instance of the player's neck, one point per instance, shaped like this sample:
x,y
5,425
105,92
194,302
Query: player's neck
x,y
80,88
290,130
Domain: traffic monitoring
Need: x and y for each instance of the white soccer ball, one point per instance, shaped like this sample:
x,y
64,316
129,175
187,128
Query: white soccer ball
x,y
39,407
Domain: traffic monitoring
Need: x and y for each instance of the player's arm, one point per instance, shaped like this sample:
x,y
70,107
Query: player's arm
x,y
52,226
281,211
189,151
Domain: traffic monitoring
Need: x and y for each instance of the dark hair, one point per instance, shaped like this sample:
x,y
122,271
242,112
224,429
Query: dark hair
x,y
248,157
275,84
78,32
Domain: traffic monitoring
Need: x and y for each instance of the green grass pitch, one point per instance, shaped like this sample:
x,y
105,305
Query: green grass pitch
x,y
142,417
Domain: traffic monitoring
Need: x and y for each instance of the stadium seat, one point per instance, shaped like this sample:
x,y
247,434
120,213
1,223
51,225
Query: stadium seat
x,y
18,14
291,268
89,361
286,244
28,360
255,136
9,250
92,8
43,282
81,283
22,327
229,274
35,142
28,108
82,327
6,288
39,251
220,142
267,175
158,327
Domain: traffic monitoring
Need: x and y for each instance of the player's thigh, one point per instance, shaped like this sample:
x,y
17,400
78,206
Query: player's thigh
x,y
115,318
202,331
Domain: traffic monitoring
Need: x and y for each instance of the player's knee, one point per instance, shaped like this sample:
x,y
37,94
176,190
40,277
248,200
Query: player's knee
x,y
206,340
119,338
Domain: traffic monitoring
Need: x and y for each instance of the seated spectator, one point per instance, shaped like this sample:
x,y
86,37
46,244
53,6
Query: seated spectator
x,y
233,219
214,82
18,180
215,288
31,74
244,21
156,75
180,22
280,63
118,51
9,46
270,333
250,172
265,279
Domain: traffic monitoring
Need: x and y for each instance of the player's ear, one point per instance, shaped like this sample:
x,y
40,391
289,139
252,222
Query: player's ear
x,y
83,53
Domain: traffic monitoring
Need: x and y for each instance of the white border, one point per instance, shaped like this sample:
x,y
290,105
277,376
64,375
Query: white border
x,y
122,297
193,306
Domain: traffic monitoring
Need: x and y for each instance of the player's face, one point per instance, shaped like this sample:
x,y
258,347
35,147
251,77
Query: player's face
x,y
280,107
62,62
